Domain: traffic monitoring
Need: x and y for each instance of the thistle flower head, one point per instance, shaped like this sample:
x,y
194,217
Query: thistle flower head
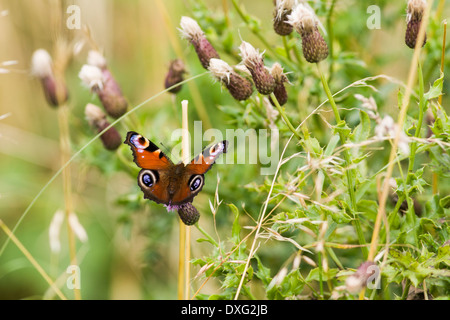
x,y
239,87
42,67
414,14
96,118
220,69
175,75
305,22
250,56
280,78
188,214
191,30
253,60
96,59
303,19
282,9
415,10
92,77
41,64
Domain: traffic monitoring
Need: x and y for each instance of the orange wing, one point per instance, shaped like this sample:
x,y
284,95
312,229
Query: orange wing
x,y
146,154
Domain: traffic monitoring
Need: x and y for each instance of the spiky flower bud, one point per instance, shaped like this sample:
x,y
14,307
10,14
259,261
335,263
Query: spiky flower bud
x,y
175,75
280,78
101,81
283,8
239,87
254,62
305,22
415,11
42,67
97,119
192,32
188,214
358,280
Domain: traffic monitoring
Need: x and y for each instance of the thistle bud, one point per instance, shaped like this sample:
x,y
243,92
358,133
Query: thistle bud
x,y
97,119
283,8
280,78
305,22
239,87
415,11
188,214
100,80
175,75
42,67
192,32
358,280
254,62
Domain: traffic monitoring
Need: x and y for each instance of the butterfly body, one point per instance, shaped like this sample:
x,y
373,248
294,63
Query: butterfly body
x,y
165,182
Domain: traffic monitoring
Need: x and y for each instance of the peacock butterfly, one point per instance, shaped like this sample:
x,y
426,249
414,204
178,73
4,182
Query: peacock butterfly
x,y
165,182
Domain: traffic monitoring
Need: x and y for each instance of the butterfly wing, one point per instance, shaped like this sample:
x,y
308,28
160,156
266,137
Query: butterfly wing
x,y
192,180
155,167
205,160
146,154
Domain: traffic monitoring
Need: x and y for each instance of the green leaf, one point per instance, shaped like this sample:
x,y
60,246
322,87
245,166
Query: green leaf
x,y
445,202
314,274
262,273
436,89
342,128
362,131
235,231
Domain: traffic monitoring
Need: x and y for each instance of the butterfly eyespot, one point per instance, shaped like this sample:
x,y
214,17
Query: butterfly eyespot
x,y
139,141
148,178
196,182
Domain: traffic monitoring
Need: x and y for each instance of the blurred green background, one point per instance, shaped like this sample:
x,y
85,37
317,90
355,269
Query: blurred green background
x,y
132,249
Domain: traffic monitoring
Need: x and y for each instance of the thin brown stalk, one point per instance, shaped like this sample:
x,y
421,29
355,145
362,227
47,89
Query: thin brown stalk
x,y
401,119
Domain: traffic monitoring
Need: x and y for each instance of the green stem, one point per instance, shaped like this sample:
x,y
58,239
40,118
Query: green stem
x,y
422,107
285,118
406,289
330,38
319,257
348,162
210,239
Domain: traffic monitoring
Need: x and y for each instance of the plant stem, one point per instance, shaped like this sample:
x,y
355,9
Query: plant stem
x,y
401,119
348,162
422,107
435,180
185,234
33,261
406,289
210,239
330,38
64,138
285,118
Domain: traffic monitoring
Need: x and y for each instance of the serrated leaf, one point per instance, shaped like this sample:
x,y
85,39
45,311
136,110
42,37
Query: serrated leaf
x,y
436,89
